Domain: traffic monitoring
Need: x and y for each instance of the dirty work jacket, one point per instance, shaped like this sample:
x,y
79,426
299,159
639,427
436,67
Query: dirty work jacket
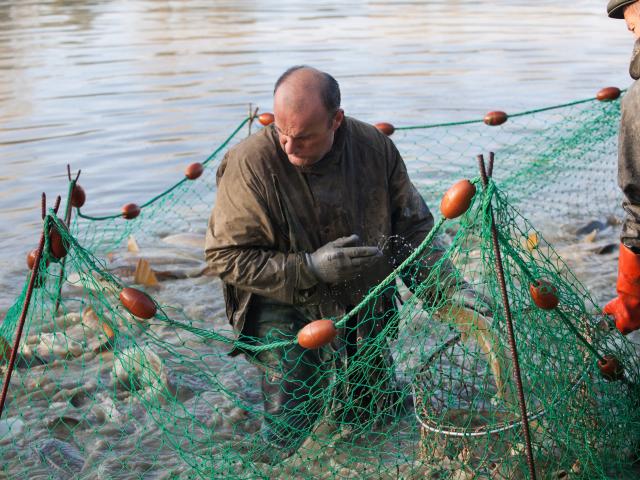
x,y
629,155
268,213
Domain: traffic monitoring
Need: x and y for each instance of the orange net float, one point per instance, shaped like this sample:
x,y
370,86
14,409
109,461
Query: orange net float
x,y
78,197
495,118
194,170
31,262
457,199
57,248
266,118
130,211
317,334
138,303
385,128
544,294
31,258
610,368
608,94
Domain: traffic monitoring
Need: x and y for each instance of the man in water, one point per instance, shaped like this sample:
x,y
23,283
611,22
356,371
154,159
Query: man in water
x,y
625,308
311,212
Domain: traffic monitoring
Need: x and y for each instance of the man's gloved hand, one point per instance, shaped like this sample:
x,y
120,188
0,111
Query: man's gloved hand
x,y
625,308
341,260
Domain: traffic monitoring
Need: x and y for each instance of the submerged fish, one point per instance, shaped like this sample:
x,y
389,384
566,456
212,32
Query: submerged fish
x,y
138,368
60,455
188,240
473,325
591,227
166,264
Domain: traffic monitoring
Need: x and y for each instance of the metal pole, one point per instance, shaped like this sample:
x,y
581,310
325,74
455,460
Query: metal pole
x,y
507,312
25,308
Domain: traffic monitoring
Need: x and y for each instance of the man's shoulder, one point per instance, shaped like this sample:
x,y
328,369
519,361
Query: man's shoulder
x,y
259,145
368,140
251,158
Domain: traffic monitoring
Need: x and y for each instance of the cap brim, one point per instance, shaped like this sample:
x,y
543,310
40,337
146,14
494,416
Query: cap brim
x,y
618,10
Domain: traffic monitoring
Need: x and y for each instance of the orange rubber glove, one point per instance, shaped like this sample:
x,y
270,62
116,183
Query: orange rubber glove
x,y
625,308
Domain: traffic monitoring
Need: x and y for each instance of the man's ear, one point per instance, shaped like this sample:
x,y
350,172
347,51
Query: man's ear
x,y
337,119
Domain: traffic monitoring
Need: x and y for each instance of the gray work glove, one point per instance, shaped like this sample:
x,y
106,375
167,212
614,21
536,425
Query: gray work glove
x,y
341,260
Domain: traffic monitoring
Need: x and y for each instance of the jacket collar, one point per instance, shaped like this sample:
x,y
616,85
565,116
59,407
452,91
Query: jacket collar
x,y
634,66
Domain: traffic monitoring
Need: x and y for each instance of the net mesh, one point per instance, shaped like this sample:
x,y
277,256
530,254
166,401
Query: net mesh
x,y
430,392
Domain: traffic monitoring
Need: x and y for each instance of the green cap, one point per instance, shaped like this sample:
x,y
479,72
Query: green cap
x,y
615,8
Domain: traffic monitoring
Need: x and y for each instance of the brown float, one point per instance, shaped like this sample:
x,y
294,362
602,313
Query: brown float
x,y
266,118
457,199
610,368
317,334
495,118
194,170
608,93
544,294
385,128
130,210
138,303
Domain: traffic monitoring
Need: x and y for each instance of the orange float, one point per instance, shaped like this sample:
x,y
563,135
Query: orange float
x,y
317,334
138,303
57,248
266,118
31,258
495,118
610,368
130,210
385,128
457,199
194,170
544,294
608,93
78,197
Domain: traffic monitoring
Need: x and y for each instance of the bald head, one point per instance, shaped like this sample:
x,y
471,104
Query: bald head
x,y
302,87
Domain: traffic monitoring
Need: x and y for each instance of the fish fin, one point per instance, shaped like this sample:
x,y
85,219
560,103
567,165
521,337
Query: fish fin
x,y
590,238
132,245
144,274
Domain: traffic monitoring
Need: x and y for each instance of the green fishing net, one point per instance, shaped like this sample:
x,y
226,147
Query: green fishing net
x,y
495,361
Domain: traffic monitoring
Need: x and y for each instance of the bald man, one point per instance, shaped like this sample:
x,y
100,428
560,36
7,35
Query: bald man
x,y
311,212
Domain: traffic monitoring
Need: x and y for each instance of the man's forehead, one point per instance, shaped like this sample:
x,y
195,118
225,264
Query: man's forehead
x,y
299,124
299,117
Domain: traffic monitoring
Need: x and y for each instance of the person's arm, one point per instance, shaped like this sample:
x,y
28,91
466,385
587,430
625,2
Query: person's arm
x,y
241,243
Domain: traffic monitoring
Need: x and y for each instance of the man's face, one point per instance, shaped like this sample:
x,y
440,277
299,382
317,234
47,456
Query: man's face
x,y
632,18
307,135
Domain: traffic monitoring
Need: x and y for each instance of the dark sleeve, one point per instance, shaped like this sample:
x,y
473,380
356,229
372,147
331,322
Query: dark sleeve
x,y
629,166
241,243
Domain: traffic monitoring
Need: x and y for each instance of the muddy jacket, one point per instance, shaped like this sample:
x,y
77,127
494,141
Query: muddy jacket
x,y
268,212
629,155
